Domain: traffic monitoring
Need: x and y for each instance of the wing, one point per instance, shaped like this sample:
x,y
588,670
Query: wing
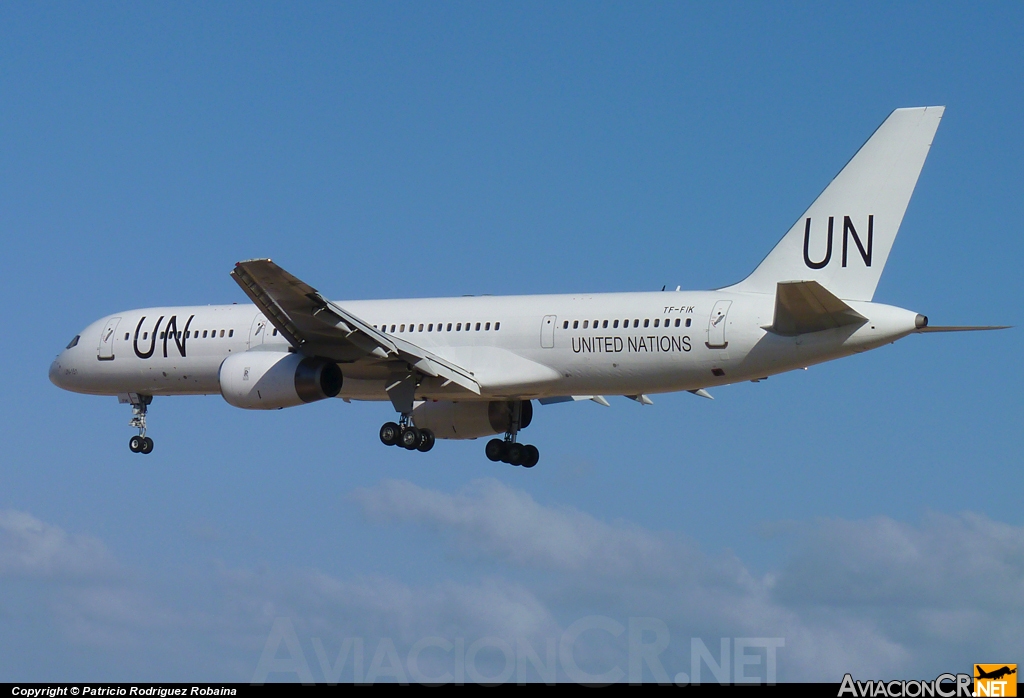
x,y
318,327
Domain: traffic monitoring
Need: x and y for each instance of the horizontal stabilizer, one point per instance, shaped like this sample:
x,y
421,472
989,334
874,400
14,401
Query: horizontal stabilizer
x,y
963,328
807,306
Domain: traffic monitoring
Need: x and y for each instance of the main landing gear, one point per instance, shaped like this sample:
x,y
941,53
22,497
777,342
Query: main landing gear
x,y
407,436
508,450
513,453
140,403
404,434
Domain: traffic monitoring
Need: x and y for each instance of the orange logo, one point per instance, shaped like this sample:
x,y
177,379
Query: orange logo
x,y
995,680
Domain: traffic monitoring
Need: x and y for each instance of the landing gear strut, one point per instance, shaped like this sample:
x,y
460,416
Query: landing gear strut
x,y
508,450
140,404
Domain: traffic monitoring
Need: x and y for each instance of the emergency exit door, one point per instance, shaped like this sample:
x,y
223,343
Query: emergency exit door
x,y
716,325
106,348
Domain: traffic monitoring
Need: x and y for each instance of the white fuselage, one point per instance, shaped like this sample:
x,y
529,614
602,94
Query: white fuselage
x,y
515,346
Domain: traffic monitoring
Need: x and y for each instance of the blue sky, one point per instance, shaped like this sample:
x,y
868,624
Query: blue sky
x,y
868,510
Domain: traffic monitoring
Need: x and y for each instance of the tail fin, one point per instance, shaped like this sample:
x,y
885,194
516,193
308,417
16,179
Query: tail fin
x,y
844,238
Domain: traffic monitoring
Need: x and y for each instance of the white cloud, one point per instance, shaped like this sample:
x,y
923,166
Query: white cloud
x,y
492,519
878,598
947,590
29,547
966,562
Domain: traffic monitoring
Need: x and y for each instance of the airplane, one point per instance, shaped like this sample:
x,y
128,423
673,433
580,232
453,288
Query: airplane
x,y
471,367
995,674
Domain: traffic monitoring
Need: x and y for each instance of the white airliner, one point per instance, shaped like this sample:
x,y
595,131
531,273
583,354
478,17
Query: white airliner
x,y
463,368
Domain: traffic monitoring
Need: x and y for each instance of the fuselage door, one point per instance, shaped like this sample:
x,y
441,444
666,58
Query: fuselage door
x,y
716,325
106,348
258,331
547,332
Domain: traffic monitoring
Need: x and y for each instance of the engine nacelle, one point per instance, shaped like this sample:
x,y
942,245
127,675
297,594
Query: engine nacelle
x,y
470,419
270,380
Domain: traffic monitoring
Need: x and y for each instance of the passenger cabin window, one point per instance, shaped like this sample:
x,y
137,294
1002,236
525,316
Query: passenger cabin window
x,y
222,333
647,323
615,324
231,333
204,334
487,327
497,326
585,323
656,321
687,322
604,324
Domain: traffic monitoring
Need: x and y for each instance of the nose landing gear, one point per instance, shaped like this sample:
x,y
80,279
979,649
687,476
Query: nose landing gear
x,y
140,404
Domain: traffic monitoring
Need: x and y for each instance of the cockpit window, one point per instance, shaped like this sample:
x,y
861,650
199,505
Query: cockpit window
x,y
74,341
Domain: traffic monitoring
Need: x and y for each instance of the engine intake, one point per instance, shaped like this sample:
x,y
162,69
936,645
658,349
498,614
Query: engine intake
x,y
266,380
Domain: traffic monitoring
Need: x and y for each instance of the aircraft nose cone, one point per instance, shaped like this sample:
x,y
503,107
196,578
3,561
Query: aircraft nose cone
x,y
55,372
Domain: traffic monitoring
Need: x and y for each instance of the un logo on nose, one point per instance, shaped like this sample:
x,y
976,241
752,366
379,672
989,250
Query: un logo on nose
x,y
848,230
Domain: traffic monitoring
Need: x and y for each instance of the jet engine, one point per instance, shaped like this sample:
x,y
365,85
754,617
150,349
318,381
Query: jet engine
x,y
470,419
270,380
